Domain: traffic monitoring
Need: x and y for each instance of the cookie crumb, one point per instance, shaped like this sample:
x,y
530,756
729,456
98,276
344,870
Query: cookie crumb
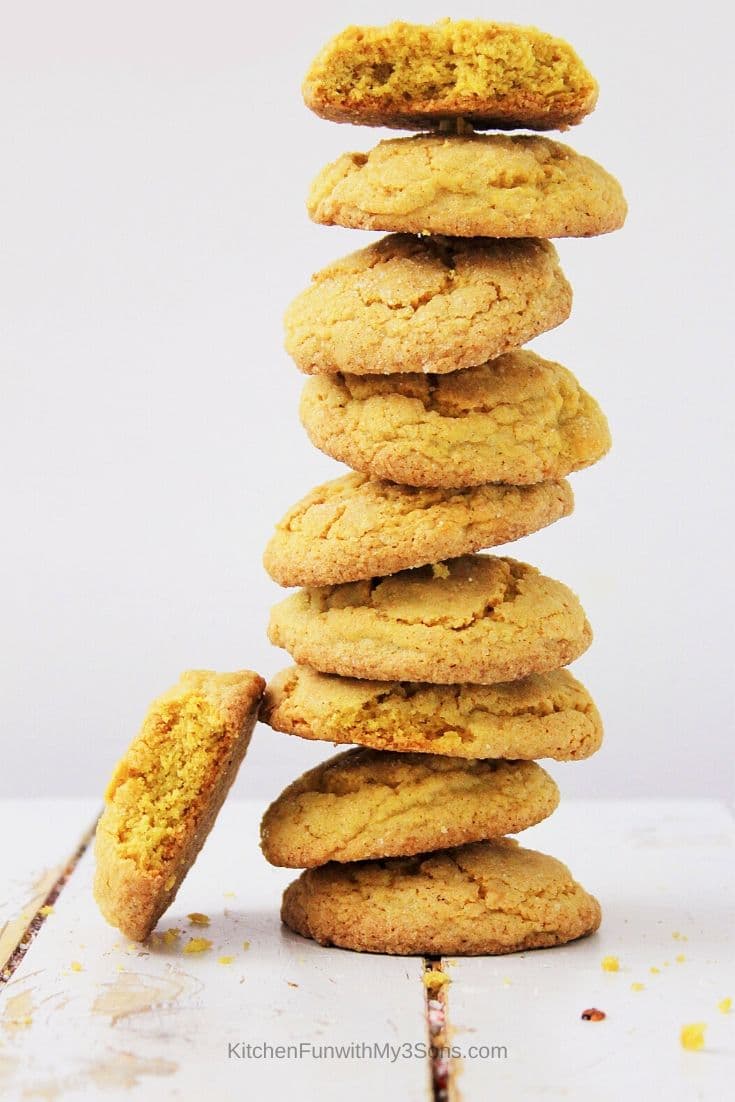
x,y
435,980
725,1005
439,570
46,911
637,986
198,919
76,966
692,1036
246,945
610,964
593,1015
654,970
291,984
197,945
680,958
225,960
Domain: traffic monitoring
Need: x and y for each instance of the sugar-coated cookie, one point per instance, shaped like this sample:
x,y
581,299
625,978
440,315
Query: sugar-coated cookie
x,y
371,804
355,527
469,186
484,898
518,419
478,618
542,716
426,304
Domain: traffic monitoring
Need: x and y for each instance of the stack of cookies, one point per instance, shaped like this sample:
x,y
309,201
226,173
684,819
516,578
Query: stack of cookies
x,y
444,666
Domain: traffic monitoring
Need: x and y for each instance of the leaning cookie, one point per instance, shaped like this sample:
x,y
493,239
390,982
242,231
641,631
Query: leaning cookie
x,y
355,528
469,186
484,898
543,716
166,792
478,618
432,304
517,419
409,77
364,803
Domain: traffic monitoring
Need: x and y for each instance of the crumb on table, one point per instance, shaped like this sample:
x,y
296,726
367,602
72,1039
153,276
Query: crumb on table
x,y
692,1036
197,945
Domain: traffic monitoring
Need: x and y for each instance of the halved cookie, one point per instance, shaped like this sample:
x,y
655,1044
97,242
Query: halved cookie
x,y
477,618
408,76
487,898
166,792
471,185
370,804
355,528
543,716
518,419
433,304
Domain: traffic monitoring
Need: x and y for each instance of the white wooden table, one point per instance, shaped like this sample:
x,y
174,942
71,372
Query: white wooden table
x,y
86,1015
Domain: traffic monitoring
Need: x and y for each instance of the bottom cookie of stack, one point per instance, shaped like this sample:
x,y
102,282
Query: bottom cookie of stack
x,y
484,898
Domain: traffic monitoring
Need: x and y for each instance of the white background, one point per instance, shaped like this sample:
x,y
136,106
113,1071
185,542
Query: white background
x,y
155,161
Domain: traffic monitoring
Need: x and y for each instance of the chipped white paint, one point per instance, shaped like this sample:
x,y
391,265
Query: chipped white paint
x,y
155,1023
36,840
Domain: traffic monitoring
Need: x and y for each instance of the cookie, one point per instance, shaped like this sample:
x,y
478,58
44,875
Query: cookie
x,y
469,186
410,77
166,792
426,304
355,528
365,804
517,419
484,898
478,618
543,716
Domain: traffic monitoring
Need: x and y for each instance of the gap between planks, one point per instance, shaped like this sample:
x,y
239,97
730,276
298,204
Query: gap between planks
x,y
17,935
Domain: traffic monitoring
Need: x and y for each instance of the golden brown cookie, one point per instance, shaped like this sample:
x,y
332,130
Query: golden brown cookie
x,y
355,528
485,898
517,419
426,304
409,77
543,716
166,792
477,618
469,186
366,803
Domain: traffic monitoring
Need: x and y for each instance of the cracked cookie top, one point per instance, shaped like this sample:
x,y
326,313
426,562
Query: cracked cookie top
x,y
367,803
426,304
476,618
544,716
518,419
485,897
469,186
355,528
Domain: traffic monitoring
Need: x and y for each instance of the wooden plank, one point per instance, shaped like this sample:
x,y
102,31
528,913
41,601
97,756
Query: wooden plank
x,y
663,871
156,1023
38,839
